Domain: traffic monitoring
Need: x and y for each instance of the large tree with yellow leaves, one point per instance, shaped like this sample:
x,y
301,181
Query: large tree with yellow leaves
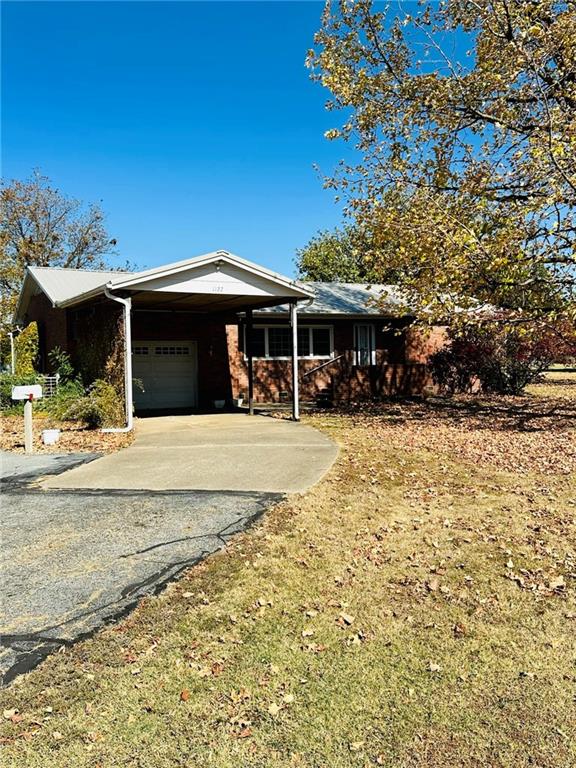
x,y
463,115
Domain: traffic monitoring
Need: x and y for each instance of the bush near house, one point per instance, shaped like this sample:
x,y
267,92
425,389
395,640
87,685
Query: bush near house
x,y
26,350
9,380
100,404
502,359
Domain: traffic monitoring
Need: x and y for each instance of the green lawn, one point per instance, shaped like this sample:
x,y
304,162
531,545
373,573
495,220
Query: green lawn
x,y
416,608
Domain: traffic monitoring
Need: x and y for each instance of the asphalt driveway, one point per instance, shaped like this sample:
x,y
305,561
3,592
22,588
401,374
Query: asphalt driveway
x,y
77,556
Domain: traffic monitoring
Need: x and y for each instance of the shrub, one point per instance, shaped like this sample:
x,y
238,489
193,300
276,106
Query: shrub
x,y
100,406
26,350
60,404
9,380
61,365
502,359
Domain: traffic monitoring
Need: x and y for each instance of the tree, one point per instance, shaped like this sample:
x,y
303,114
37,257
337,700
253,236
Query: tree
x,y
467,159
40,226
342,256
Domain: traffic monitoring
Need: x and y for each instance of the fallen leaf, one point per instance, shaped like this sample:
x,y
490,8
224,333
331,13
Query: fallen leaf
x,y
557,583
274,709
356,746
184,695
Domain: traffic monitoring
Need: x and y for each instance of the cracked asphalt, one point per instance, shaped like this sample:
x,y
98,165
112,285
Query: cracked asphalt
x,y
73,560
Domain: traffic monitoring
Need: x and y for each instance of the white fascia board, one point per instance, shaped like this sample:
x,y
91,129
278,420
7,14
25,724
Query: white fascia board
x,y
99,291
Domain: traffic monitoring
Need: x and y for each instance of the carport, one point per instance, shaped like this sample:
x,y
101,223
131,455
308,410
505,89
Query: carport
x,y
214,284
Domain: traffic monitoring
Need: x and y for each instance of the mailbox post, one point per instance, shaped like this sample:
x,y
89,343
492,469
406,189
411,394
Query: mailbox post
x,y
28,393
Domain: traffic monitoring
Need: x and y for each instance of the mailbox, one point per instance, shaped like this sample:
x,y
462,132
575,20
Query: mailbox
x,y
27,392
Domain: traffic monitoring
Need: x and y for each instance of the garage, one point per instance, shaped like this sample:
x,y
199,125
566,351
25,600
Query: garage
x,y
166,375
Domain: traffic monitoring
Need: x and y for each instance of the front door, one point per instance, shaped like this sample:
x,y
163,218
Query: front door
x,y
166,374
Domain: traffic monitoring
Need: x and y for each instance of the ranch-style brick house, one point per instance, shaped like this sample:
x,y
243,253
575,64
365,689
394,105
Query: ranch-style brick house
x,y
218,327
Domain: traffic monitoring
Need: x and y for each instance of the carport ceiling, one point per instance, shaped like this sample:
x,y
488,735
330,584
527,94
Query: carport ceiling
x,y
203,302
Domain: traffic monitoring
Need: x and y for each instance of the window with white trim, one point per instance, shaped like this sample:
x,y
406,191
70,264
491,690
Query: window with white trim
x,y
274,342
364,344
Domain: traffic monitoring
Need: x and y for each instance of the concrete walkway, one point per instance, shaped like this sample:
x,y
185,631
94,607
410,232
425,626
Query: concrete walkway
x,y
222,452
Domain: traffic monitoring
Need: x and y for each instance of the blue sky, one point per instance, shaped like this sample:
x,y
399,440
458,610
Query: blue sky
x,y
195,125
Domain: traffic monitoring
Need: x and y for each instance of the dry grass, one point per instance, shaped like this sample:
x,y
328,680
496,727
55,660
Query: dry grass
x,y
74,436
556,384
415,609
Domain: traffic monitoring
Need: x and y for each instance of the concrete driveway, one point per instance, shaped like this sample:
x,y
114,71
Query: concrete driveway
x,y
81,546
232,452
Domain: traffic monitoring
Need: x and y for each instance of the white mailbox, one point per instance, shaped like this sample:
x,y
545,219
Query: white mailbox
x,y
27,392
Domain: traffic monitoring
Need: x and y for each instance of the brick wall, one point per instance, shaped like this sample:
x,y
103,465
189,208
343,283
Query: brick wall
x,y
52,327
401,353
401,369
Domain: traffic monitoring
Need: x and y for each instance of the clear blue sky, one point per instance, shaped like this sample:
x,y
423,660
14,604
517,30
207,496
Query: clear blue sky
x,y
194,124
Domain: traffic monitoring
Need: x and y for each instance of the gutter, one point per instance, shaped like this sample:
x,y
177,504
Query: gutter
x,y
126,305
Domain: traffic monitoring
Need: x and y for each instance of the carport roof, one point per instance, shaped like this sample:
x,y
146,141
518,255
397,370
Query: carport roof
x,y
218,279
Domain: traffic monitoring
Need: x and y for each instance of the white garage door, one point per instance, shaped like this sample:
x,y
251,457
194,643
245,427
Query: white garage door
x,y
167,371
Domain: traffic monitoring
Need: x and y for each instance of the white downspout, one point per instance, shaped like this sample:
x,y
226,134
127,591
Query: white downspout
x,y
126,303
13,350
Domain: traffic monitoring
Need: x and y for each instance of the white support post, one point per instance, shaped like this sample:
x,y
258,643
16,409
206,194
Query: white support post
x,y
249,355
128,396
12,353
28,435
295,387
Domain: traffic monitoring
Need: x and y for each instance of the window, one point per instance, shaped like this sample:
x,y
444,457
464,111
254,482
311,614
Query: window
x,y
303,342
258,342
140,350
321,342
171,350
275,341
279,342
364,345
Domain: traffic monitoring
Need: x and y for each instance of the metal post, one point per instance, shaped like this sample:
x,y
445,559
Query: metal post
x,y
250,362
295,392
28,437
12,353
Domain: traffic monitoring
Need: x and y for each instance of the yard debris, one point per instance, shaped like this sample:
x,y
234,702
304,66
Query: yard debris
x,y
74,437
